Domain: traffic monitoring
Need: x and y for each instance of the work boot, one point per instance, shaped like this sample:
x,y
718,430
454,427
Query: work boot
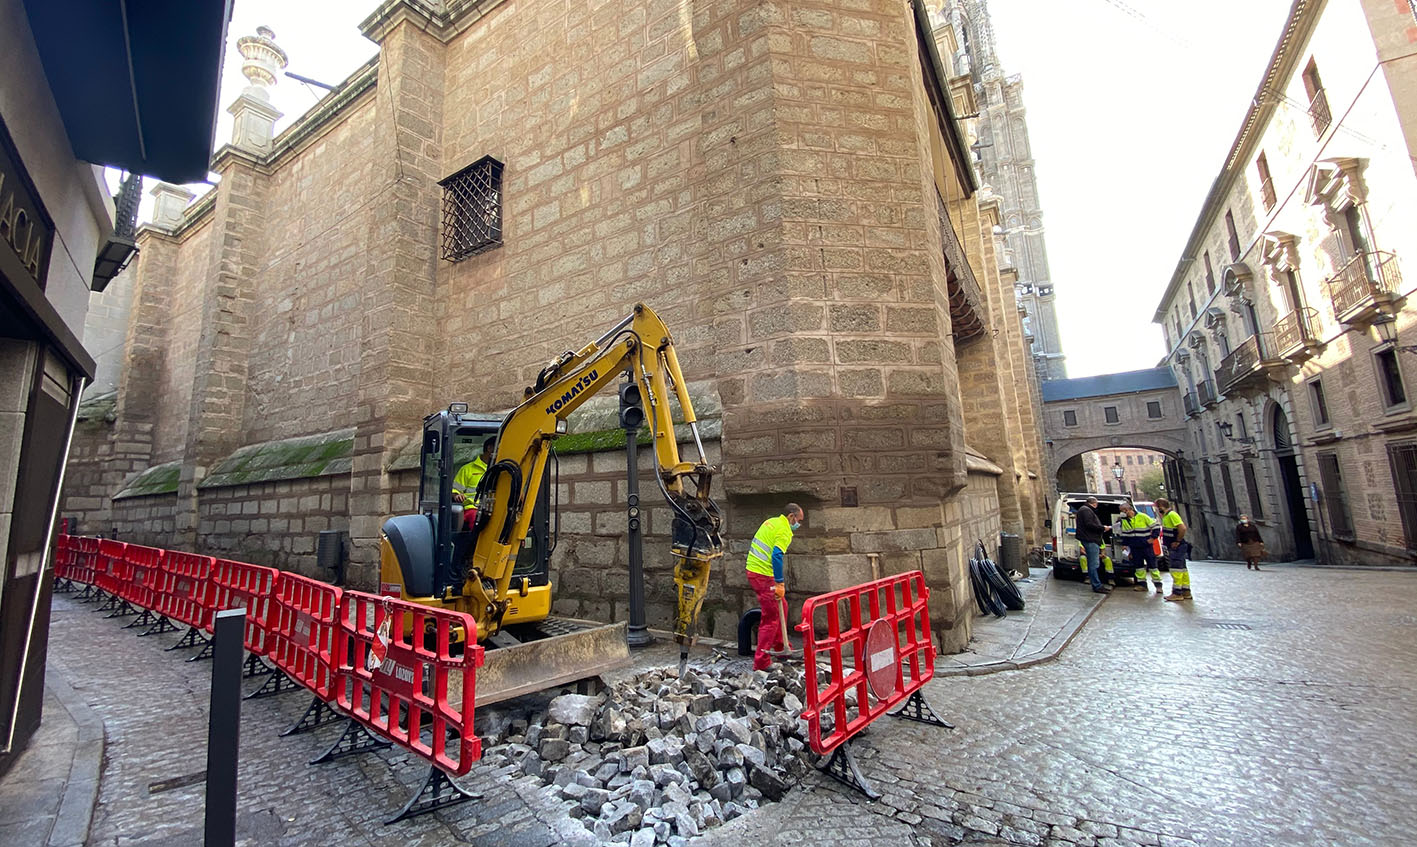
x,y
1102,589
1140,586
1176,594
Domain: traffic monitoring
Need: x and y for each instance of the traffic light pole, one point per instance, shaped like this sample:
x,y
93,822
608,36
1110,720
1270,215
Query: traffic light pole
x,y
631,416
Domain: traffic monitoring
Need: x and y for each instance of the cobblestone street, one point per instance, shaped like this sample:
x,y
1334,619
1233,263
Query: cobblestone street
x,y
1277,708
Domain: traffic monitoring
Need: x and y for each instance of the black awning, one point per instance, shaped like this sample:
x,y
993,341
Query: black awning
x,y
136,81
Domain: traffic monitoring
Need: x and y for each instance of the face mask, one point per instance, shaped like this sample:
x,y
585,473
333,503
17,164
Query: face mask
x,y
795,525
1245,521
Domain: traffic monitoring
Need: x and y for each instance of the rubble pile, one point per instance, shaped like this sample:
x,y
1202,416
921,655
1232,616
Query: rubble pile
x,y
658,759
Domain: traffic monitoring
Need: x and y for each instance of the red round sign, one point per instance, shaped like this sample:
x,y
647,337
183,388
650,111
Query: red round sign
x,y
881,660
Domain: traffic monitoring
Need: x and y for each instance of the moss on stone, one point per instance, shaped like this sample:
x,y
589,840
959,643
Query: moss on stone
x,y
304,457
158,479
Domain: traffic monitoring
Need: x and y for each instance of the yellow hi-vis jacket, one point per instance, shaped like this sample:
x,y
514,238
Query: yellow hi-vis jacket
x,y
1137,531
467,478
766,552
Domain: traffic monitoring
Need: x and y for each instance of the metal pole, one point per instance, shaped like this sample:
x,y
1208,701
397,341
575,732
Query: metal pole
x,y
224,728
637,635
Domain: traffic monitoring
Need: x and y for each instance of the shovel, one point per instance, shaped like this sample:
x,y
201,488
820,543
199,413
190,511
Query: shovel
x,y
788,650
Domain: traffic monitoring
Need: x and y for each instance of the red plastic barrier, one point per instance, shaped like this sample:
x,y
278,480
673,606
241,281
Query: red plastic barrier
x,y
304,618
63,557
395,661
85,556
110,566
237,585
876,642
140,583
185,591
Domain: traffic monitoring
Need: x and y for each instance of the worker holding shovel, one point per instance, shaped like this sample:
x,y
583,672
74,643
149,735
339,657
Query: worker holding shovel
x,y
765,575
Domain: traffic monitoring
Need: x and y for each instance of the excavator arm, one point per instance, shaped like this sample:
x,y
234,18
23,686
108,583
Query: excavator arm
x,y
640,345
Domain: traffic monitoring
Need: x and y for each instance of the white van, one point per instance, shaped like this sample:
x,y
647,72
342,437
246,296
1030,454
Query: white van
x,y
1067,551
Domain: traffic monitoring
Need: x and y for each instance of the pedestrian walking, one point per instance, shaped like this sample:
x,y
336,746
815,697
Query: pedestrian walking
x,y
1247,538
1178,549
765,574
1137,530
1089,534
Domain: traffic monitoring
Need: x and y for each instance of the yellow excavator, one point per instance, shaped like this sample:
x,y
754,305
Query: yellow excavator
x,y
492,561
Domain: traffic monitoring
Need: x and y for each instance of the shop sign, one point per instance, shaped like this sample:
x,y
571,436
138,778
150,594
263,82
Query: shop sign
x,y
25,227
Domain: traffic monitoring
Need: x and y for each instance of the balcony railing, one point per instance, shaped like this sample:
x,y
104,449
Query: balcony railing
x,y
1296,332
1368,279
1245,364
1319,113
1267,194
1192,407
1207,393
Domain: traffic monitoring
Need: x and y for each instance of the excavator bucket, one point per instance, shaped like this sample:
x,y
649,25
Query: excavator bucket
x,y
573,650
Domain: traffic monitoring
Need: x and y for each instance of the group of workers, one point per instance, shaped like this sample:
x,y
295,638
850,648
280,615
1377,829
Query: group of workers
x,y
1138,532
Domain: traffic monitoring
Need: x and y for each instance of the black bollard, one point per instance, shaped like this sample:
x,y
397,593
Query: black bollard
x,y
224,728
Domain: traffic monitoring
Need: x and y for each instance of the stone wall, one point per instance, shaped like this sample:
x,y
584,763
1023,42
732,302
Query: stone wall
x,y
150,520
275,523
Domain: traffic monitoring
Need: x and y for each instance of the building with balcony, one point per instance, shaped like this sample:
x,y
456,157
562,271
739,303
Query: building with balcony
x,y
1286,319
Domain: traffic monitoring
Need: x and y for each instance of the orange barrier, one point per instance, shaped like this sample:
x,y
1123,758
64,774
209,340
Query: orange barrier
x,y
185,590
395,661
110,566
237,585
142,571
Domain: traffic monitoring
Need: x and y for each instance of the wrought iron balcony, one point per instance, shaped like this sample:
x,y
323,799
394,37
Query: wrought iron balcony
x,y
1267,194
1192,407
1319,112
1207,393
1296,335
1248,366
1368,281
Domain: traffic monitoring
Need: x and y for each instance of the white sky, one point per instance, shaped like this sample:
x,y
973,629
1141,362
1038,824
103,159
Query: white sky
x,y
1130,115
1132,105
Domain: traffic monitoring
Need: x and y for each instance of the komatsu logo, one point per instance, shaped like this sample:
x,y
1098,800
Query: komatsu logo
x,y
582,384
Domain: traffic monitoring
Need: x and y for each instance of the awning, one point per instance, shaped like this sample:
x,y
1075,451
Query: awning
x,y
136,81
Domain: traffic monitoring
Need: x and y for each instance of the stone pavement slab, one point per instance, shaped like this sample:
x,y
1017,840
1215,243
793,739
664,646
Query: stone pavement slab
x,y
1054,611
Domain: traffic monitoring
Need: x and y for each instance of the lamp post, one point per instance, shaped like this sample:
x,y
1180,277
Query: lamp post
x,y
1117,474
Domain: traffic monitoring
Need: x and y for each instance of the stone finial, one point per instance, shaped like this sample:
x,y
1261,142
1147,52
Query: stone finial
x,y
170,204
255,117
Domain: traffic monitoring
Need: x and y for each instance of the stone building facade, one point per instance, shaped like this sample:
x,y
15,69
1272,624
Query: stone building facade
x,y
787,185
1287,320
1004,160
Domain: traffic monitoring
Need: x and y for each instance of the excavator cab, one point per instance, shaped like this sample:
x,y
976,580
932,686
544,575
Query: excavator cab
x,y
431,547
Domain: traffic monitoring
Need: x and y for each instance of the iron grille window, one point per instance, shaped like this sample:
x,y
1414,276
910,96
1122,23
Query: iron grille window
x,y
1209,274
1252,485
1267,195
472,210
1153,409
1070,418
1227,484
1403,459
1390,378
1316,395
1234,236
1340,519
1110,413
1210,490
1318,101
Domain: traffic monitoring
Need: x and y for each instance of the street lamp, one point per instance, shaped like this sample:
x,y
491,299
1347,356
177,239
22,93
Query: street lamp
x,y
1117,471
1386,328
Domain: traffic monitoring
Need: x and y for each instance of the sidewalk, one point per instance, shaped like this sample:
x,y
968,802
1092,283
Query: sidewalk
x,y
1053,613
47,797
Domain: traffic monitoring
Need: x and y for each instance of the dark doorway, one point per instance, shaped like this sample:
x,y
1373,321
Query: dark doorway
x,y
1293,489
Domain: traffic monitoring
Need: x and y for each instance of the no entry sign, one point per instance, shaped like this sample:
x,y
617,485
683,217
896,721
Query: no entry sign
x,y
881,659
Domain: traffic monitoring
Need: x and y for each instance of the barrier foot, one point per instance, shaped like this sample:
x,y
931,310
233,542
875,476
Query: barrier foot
x,y
145,619
124,610
63,586
842,768
436,792
276,683
191,638
110,602
162,625
85,593
354,739
318,713
206,652
255,667
917,708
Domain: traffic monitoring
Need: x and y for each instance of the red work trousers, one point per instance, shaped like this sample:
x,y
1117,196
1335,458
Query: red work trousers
x,y
769,630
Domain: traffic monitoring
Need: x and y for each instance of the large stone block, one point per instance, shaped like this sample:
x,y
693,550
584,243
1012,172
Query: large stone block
x,y
893,541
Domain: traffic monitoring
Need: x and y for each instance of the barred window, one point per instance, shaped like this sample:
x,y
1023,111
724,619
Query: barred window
x,y
1340,519
1109,413
1227,484
472,210
1153,409
1403,458
1210,490
1070,417
1253,486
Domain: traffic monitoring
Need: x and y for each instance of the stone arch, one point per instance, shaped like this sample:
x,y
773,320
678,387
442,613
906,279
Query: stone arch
x,y
1171,445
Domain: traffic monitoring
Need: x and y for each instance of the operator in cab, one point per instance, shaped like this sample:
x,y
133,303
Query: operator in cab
x,y
470,474
765,574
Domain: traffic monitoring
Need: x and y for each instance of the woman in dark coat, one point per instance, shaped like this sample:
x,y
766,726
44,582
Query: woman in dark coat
x,y
1247,537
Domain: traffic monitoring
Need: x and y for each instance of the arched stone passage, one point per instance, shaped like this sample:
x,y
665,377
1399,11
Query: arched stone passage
x,y
1074,448
1140,409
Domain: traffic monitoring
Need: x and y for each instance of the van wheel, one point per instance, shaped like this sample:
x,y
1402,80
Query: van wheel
x,y
1061,571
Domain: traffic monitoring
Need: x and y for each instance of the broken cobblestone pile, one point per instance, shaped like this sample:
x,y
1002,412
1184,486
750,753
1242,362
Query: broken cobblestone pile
x,y
657,759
